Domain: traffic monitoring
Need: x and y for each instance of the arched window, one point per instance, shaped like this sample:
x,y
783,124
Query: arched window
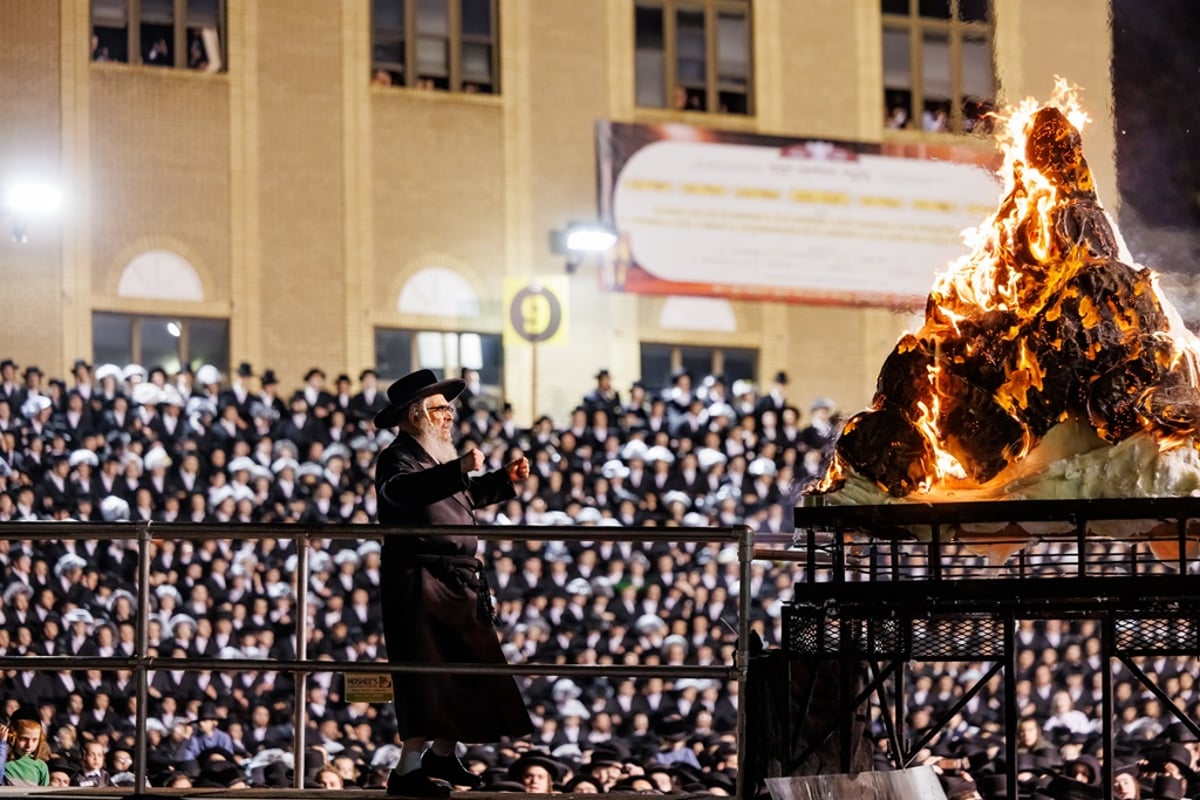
x,y
151,340
161,275
439,292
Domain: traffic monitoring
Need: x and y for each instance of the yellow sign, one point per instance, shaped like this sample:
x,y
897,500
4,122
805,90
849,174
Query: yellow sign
x,y
368,687
535,311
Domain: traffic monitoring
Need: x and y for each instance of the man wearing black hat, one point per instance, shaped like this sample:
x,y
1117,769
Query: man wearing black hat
x,y
435,597
319,400
369,401
774,400
603,398
9,388
238,394
536,772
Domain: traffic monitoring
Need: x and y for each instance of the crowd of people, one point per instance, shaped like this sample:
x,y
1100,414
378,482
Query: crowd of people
x,y
119,443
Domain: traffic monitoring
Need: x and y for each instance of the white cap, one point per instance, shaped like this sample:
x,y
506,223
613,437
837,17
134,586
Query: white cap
x,y
660,453
634,448
241,464
708,457
69,561
649,622
157,458
282,463
762,466
114,509
208,374
132,370
83,456
579,586
147,394
171,396
588,514
35,405
573,708
79,615
614,469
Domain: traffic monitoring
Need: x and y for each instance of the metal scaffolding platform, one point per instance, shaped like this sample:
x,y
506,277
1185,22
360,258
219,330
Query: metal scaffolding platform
x,y
887,585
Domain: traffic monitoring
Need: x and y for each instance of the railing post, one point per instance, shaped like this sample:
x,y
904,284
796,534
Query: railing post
x,y
745,555
300,676
143,653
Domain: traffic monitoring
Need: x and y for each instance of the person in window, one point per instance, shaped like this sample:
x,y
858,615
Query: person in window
x,y
435,595
197,59
99,51
159,54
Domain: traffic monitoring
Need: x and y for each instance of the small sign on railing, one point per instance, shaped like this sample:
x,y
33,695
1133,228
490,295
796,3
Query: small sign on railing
x,y
368,687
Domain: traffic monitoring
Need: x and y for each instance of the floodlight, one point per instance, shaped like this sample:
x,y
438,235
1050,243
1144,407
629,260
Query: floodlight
x,y
589,237
33,199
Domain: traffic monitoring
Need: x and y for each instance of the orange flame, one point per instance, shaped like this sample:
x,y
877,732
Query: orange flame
x,y
945,465
990,278
1038,323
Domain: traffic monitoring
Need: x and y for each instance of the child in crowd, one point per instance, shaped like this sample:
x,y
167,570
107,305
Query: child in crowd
x,y
30,754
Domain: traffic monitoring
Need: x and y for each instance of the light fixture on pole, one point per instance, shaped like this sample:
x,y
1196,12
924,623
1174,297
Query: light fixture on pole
x,y
26,201
581,239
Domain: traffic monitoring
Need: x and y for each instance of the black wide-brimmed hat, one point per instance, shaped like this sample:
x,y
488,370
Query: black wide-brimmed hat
x,y
411,388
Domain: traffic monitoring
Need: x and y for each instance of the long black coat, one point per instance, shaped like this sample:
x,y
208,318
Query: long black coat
x,y
431,620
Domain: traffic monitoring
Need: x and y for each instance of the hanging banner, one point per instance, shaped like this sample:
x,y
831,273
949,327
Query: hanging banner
x,y
737,215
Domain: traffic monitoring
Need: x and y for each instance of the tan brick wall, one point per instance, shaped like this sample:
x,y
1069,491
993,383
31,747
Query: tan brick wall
x,y
30,119
160,176
300,195
306,199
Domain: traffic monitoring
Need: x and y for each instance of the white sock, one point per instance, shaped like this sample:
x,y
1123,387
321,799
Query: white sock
x,y
408,763
440,748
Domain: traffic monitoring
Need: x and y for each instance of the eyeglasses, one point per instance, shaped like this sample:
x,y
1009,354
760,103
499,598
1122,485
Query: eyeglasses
x,y
442,411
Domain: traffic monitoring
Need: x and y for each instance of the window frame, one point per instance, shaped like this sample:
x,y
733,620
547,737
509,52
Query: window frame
x,y
956,30
489,341
712,10
134,22
675,357
455,40
136,320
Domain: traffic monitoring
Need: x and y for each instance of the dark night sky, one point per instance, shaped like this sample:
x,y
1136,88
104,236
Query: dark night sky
x,y
1156,87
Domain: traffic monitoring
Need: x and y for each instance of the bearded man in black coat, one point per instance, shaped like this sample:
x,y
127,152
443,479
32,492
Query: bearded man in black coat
x,y
436,601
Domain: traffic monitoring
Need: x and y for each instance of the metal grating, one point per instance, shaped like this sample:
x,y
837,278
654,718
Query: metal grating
x,y
811,632
1158,635
964,637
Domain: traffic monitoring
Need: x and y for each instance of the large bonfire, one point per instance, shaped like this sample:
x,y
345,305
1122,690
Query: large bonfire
x,y
1046,367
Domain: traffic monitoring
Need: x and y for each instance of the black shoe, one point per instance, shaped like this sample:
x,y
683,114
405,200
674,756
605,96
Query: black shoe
x,y
449,769
417,783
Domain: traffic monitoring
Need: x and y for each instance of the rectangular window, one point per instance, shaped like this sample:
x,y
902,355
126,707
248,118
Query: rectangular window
x,y
938,73
447,353
112,339
185,34
693,55
445,45
167,342
110,31
660,361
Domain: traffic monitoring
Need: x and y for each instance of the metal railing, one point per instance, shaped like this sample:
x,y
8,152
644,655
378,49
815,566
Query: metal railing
x,y
301,667
843,611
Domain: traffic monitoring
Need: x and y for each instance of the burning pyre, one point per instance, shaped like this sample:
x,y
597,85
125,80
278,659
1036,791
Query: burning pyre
x,y
1040,329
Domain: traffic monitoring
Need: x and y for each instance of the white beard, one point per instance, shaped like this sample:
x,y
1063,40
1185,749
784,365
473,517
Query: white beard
x,y
430,438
